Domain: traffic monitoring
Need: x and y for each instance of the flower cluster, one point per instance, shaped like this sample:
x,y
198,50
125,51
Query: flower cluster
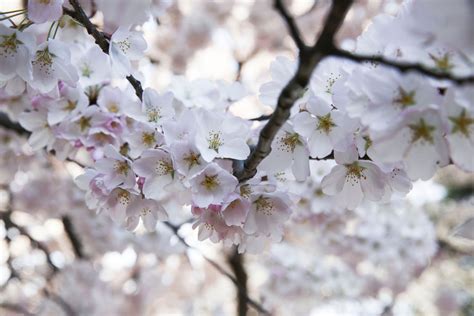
x,y
150,154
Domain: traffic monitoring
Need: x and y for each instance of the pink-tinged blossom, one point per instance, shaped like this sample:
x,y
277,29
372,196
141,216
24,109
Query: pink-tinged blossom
x,y
142,138
113,100
288,150
212,186
149,211
210,223
235,210
72,101
93,66
221,136
125,46
418,142
268,212
51,63
156,166
187,158
155,108
352,180
92,182
16,49
117,203
116,169
183,128
41,11
37,123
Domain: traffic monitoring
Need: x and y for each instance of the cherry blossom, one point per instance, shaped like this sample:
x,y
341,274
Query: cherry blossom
x,y
40,11
212,185
289,150
352,180
156,166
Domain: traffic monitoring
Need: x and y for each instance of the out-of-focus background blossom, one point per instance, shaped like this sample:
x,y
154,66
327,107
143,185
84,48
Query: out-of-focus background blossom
x,y
412,257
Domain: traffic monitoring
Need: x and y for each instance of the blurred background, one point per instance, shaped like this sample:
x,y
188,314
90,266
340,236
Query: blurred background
x,y
414,256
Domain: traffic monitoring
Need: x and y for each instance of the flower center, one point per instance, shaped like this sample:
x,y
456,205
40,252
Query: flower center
x,y
44,60
461,123
331,81
289,141
164,167
210,182
86,71
325,123
192,159
148,139
153,114
124,45
263,204
214,141
84,123
245,191
113,107
9,45
121,167
405,98
422,131
443,63
70,105
354,172
123,197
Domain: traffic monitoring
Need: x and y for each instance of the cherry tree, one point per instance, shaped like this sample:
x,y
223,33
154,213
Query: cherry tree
x,y
107,129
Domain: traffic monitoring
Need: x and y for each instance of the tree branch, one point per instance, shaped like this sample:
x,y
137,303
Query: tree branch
x,y
236,262
221,270
73,238
10,125
309,58
291,24
401,66
80,16
10,224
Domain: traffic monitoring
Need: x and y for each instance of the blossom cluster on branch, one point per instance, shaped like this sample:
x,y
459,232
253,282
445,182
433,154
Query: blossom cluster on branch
x,y
149,152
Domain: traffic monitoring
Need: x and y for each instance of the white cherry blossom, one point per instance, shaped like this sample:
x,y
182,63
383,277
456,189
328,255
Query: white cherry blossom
x,y
212,185
352,180
221,136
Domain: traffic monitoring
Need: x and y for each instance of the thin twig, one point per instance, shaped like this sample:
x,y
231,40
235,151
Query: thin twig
x,y
80,16
402,66
6,217
291,24
221,270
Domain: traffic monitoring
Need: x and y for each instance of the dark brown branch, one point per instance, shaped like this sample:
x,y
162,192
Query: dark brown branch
x,y
73,238
309,58
236,262
80,16
221,270
402,66
261,118
291,24
13,126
